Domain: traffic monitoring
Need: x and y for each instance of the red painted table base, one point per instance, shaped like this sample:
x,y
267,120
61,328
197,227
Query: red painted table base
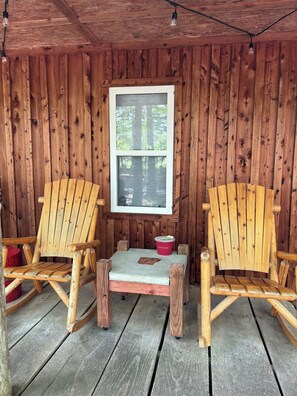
x,y
177,291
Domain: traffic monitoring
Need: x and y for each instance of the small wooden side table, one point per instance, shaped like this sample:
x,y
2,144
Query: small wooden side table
x,y
143,271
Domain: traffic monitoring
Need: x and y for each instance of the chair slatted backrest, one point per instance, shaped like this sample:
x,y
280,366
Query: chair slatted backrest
x,y
242,223
67,215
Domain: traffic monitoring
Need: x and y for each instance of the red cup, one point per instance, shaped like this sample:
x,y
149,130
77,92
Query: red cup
x,y
165,245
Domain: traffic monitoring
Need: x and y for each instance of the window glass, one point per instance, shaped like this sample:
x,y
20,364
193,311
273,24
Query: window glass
x,y
141,122
142,181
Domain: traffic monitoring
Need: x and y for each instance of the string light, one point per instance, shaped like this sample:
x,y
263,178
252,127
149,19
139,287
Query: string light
x,y
251,34
5,18
3,56
174,18
5,26
251,45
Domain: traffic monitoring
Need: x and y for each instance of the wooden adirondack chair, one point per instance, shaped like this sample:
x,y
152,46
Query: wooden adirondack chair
x,y
67,229
241,236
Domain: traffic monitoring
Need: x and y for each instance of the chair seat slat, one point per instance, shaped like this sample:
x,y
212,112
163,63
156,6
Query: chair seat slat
x,y
284,291
234,284
266,289
251,287
41,271
220,283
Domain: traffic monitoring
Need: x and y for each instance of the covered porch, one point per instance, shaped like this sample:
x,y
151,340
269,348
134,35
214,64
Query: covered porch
x,y
234,121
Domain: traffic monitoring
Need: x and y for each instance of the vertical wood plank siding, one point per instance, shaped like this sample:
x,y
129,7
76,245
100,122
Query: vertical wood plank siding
x,y
235,121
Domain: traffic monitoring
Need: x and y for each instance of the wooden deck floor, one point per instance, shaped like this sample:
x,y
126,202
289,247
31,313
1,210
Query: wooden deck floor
x,y
137,356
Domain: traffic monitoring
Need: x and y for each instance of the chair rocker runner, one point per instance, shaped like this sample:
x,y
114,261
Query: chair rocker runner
x,y
241,236
66,230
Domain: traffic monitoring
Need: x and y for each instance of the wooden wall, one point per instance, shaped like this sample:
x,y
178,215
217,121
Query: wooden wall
x,y
236,115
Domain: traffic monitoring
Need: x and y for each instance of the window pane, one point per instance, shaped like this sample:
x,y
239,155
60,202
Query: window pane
x,y
141,121
142,181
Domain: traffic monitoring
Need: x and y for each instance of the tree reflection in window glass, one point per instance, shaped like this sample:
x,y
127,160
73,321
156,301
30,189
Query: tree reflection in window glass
x,y
141,122
142,181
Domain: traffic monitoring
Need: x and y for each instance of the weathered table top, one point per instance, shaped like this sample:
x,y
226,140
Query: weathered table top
x,y
125,266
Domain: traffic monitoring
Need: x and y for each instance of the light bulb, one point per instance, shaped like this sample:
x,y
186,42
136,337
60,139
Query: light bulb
x,y
251,48
5,19
4,58
174,19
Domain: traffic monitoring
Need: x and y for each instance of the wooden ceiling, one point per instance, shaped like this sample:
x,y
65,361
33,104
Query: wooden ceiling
x,y
51,25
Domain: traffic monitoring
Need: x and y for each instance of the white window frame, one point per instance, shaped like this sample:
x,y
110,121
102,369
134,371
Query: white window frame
x,y
168,153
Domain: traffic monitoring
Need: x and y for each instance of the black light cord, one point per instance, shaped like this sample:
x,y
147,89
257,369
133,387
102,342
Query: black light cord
x,y
207,16
275,22
251,34
4,38
5,15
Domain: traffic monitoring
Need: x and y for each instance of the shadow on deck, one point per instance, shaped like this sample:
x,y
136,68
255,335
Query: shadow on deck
x,y
136,356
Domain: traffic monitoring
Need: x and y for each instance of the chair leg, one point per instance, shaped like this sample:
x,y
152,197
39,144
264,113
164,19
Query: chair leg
x,y
38,286
283,313
84,319
282,278
13,285
205,337
21,301
73,295
288,330
74,324
60,291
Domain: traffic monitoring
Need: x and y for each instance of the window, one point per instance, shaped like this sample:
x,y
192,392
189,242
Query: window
x,y
141,149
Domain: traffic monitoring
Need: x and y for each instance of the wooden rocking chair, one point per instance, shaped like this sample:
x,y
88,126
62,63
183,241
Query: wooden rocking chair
x,y
67,229
241,236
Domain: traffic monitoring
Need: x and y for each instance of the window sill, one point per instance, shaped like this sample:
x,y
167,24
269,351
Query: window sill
x,y
140,216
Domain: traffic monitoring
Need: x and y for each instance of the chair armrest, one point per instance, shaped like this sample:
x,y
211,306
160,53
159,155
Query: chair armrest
x,y
83,246
287,256
19,241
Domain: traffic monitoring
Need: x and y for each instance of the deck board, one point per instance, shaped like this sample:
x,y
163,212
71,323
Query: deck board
x,y
281,351
183,367
80,361
20,322
131,367
137,357
239,362
36,348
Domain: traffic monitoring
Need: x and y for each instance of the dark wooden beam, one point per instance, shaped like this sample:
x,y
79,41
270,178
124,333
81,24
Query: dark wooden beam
x,y
64,7
58,49
164,11
160,43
